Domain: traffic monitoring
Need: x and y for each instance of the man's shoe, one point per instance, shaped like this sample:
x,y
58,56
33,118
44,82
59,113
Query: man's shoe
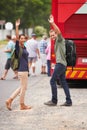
x,y
66,104
50,103
33,74
2,78
16,77
44,73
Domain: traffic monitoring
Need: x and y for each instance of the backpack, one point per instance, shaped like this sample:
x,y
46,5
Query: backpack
x,y
15,59
70,53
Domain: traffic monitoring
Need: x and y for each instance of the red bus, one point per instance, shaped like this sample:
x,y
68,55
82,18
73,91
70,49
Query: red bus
x,y
71,17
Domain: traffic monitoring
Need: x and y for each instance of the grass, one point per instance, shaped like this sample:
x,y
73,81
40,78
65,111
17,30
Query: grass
x,y
2,43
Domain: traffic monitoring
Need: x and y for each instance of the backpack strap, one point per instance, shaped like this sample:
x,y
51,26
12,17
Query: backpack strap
x,y
20,52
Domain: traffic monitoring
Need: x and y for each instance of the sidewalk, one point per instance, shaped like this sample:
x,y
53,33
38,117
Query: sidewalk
x,y
42,117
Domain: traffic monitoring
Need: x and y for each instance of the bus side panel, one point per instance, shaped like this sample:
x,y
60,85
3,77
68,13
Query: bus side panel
x,y
71,17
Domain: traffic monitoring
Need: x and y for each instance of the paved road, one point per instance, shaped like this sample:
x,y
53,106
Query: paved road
x,y
41,117
8,85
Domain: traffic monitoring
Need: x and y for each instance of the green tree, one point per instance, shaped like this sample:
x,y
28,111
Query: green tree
x,y
40,30
7,10
31,12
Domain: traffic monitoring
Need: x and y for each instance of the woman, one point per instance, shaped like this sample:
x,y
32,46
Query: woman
x,y
22,71
48,53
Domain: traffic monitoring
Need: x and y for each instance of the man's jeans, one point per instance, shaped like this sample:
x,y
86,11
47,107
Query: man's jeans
x,y
59,74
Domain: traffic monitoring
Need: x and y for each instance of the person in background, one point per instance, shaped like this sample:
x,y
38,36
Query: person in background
x,y
43,45
26,39
32,48
48,57
22,72
15,71
8,50
60,67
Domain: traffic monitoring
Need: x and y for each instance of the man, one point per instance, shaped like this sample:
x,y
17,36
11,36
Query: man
x,y
32,48
8,50
60,67
48,57
43,46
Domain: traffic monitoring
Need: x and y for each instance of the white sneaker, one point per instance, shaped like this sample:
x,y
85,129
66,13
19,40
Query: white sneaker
x,y
33,74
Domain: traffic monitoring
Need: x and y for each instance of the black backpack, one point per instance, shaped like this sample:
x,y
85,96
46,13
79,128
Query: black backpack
x,y
70,53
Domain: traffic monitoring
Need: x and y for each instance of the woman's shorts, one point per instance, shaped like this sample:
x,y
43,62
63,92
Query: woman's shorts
x,y
43,59
8,64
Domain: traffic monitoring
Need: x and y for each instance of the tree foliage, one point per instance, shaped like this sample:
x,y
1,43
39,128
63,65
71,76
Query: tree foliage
x,y
40,31
31,12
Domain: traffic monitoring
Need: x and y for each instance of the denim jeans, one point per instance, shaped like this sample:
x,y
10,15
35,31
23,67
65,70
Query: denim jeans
x,y
59,74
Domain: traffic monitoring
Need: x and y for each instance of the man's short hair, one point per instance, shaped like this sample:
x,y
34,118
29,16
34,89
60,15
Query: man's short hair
x,y
33,34
44,36
52,30
8,36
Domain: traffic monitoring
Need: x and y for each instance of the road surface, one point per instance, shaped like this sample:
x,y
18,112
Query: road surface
x,y
41,117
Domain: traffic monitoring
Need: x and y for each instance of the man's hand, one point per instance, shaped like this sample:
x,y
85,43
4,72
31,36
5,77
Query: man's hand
x,y
51,19
17,22
55,27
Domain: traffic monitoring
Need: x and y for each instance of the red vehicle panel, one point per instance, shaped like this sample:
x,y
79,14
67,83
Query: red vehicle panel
x,y
71,17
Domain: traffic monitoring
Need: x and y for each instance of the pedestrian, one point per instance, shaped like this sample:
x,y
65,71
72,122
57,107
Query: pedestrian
x,y
43,45
48,57
16,71
60,67
22,72
8,50
32,48
26,39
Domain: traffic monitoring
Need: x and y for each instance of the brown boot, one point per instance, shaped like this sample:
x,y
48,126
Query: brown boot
x,y
24,107
8,104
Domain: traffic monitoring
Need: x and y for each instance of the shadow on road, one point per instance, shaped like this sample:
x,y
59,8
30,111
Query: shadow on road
x,y
77,83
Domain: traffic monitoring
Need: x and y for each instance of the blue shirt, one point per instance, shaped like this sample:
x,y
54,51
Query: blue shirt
x,y
11,46
23,66
23,61
43,46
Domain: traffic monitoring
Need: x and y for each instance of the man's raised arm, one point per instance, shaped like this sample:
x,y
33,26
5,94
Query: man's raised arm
x,y
55,27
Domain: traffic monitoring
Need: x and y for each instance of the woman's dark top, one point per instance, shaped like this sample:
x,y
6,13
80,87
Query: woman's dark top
x,y
23,60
